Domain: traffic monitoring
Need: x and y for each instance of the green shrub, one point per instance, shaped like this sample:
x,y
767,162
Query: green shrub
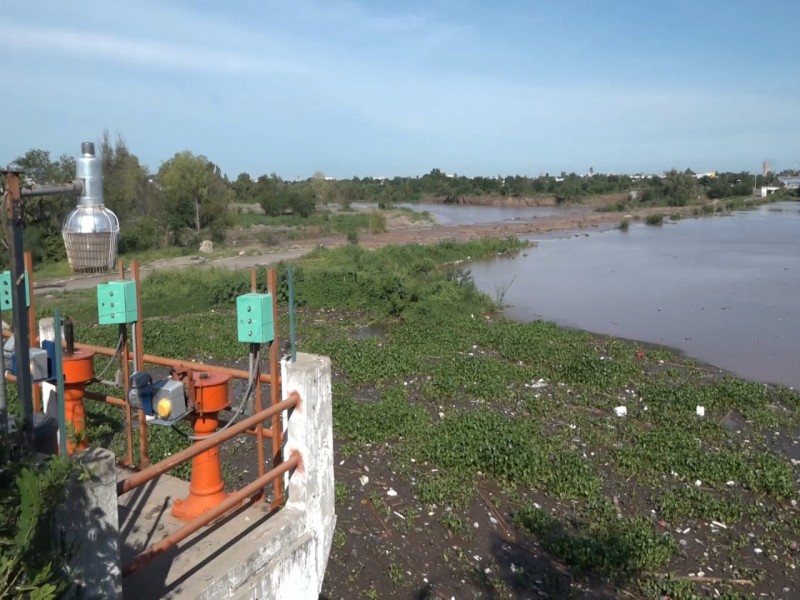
x,y
142,235
625,224
599,540
352,236
32,559
377,222
654,219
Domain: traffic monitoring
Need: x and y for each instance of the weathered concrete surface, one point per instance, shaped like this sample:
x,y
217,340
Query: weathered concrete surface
x,y
89,519
310,432
216,562
248,554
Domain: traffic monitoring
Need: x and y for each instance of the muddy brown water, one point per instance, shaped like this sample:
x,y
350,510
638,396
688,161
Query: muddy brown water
x,y
724,290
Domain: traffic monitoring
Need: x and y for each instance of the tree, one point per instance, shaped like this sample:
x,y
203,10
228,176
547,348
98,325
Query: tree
x,y
125,180
44,215
195,194
678,187
268,193
243,188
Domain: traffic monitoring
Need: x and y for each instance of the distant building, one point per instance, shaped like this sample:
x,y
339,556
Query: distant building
x,y
790,183
766,190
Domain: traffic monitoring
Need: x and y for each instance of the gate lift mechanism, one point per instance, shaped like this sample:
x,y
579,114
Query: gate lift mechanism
x,y
165,401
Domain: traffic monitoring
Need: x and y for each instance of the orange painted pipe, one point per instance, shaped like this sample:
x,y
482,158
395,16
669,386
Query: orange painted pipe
x,y
206,486
78,371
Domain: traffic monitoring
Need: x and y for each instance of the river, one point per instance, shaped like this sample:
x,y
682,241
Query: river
x,y
724,290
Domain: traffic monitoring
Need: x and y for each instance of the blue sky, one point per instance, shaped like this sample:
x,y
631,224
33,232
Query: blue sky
x,y
385,88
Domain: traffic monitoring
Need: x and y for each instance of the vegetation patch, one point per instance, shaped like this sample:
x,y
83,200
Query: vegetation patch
x,y
471,418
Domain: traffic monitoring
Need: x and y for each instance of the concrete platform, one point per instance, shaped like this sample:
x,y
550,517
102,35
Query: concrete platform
x,y
219,561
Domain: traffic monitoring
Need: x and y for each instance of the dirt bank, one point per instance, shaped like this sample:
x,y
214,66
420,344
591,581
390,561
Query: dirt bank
x,y
521,201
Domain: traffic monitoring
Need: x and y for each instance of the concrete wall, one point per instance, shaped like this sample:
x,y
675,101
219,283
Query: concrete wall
x,y
89,520
291,553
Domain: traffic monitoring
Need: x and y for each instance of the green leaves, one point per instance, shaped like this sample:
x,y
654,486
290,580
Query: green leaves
x,y
599,541
31,561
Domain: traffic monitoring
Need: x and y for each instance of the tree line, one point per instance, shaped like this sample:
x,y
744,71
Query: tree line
x,y
188,197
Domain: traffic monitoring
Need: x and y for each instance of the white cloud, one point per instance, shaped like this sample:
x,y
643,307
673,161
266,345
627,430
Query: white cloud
x,y
141,52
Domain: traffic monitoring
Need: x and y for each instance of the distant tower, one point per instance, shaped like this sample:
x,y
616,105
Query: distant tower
x,y
765,168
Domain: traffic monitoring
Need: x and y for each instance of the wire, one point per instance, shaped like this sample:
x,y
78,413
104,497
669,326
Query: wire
x,y
117,350
254,371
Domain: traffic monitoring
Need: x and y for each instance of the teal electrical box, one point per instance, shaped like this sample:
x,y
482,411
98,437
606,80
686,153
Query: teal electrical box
x,y
116,303
254,316
7,291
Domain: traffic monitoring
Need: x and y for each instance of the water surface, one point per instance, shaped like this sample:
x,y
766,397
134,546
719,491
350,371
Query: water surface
x,y
725,290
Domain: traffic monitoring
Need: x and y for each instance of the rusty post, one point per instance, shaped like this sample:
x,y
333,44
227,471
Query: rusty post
x,y
14,223
231,502
138,354
33,330
126,375
256,357
274,391
169,463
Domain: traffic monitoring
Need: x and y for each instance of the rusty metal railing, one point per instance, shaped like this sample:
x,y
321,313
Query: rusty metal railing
x,y
252,490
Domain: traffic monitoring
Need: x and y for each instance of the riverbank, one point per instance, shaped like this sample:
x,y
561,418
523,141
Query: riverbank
x,y
479,456
246,247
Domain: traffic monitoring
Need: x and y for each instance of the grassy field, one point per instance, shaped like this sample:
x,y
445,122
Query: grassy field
x,y
512,474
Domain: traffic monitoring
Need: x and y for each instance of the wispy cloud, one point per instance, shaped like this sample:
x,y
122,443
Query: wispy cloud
x,y
141,52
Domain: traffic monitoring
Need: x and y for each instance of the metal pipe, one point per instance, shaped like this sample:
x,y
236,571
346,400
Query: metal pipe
x,y
255,357
59,368
178,364
3,404
231,502
138,364
169,463
126,376
69,336
112,400
33,330
73,187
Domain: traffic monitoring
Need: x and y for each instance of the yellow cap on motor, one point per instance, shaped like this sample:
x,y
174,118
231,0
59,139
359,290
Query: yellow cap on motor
x,y
164,408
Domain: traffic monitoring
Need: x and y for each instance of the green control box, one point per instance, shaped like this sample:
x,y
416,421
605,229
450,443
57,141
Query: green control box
x,y
254,316
7,291
116,303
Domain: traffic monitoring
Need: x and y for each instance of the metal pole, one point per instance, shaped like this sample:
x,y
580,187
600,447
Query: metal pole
x,y
255,371
293,346
59,373
33,331
3,406
21,339
274,392
138,364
